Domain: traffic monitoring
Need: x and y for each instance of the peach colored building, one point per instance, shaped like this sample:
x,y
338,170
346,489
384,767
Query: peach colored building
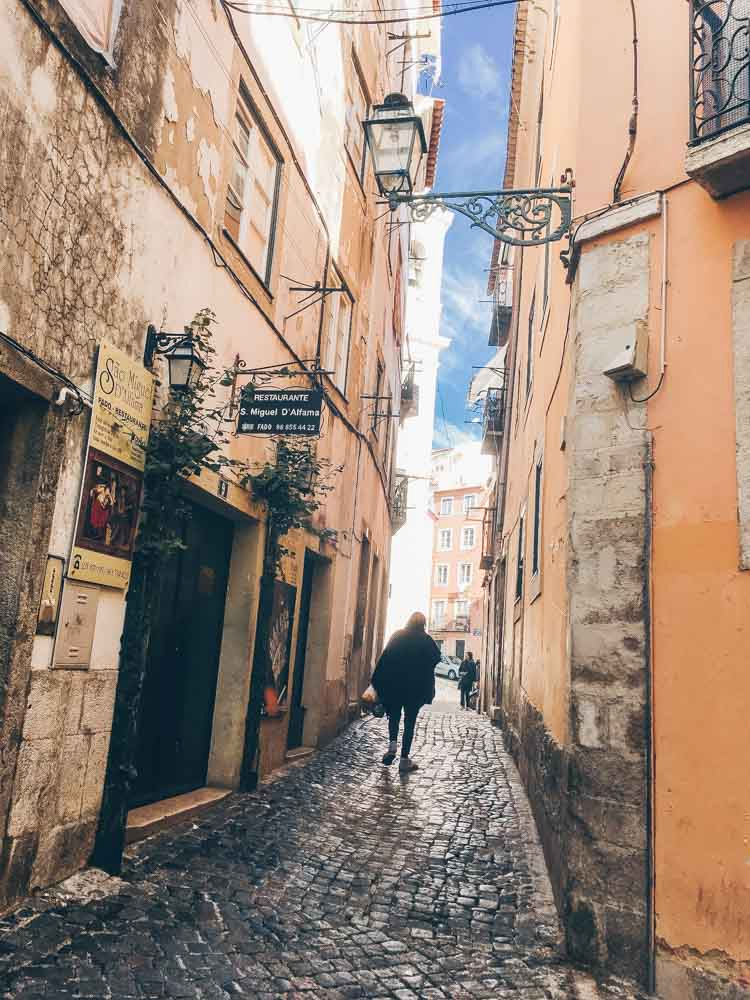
x,y
456,595
619,598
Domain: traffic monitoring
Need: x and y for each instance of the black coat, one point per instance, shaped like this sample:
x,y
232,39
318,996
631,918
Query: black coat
x,y
467,674
405,672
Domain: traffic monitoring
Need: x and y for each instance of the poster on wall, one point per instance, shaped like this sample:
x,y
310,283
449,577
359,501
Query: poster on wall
x,y
113,473
280,638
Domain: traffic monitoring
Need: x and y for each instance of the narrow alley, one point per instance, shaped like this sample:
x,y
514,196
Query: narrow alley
x,y
338,880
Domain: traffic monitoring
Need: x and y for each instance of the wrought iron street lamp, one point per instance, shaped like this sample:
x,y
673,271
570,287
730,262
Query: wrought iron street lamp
x,y
184,361
395,136
527,218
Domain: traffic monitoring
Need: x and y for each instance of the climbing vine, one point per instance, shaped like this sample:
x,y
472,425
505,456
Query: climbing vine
x,y
189,436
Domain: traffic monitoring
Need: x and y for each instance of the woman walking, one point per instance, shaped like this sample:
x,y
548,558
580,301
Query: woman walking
x,y
404,679
467,675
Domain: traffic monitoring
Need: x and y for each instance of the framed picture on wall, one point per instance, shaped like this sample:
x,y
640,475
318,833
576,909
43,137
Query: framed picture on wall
x,y
280,638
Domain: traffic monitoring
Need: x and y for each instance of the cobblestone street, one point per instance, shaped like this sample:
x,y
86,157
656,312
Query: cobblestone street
x,y
339,880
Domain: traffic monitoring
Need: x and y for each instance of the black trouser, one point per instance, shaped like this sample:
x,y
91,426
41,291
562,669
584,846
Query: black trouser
x,y
410,721
465,692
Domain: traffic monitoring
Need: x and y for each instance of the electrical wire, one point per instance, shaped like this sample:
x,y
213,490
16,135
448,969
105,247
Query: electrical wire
x,y
82,396
240,7
645,399
446,425
295,11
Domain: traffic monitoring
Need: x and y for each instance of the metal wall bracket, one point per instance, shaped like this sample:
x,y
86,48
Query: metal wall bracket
x,y
523,218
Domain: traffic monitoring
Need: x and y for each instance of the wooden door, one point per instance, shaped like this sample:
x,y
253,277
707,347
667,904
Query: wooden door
x,y
174,734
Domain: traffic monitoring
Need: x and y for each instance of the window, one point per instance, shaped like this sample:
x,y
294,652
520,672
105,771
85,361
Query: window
x,y
417,258
540,119
446,506
250,213
519,563
446,539
468,538
465,573
462,609
438,612
555,24
470,501
460,648
376,401
721,73
338,334
530,348
537,536
357,107
97,22
442,575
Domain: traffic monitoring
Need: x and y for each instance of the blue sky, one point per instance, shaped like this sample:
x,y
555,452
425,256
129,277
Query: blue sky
x,y
475,79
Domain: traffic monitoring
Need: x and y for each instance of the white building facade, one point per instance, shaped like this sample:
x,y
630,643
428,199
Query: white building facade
x,y
411,552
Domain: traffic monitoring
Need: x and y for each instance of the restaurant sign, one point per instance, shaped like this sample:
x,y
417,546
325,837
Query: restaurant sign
x,y
113,474
280,411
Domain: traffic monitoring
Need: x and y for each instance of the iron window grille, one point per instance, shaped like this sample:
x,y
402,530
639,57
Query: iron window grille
x,y
720,67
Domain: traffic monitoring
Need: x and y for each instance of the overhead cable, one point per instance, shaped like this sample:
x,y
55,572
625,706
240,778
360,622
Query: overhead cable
x,y
261,10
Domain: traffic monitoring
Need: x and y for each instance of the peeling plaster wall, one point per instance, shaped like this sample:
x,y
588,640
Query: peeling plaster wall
x,y
93,246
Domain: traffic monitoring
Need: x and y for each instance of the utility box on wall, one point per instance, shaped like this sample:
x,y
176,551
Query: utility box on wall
x,y
75,636
629,354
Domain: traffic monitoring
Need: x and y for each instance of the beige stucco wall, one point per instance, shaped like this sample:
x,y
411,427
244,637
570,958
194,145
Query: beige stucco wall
x,y
97,245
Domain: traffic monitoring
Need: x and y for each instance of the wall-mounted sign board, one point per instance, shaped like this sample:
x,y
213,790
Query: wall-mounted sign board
x,y
280,411
113,474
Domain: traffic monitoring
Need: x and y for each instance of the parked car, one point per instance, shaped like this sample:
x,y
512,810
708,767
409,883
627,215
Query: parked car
x,y
446,667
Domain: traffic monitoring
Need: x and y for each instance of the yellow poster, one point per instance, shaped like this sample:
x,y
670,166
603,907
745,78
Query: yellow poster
x,y
112,480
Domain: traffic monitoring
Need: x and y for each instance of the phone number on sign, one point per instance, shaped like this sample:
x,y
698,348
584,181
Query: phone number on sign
x,y
284,428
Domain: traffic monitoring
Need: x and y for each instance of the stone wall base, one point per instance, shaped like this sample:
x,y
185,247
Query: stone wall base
x,y
598,931
677,981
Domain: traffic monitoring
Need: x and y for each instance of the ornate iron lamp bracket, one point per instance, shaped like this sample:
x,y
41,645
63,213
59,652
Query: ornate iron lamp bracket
x,y
523,218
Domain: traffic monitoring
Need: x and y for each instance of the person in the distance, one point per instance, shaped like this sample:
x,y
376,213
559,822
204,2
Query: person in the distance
x,y
404,679
467,675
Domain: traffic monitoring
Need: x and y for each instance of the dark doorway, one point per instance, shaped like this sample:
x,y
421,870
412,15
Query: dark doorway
x,y
296,708
460,648
174,733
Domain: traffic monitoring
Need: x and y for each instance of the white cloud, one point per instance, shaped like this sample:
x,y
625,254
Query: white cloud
x,y
466,314
478,73
451,436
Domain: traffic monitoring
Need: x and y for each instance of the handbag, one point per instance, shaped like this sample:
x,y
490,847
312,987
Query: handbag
x,y
370,697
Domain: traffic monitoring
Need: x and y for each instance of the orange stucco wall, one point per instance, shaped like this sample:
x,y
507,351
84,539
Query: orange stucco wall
x,y
700,599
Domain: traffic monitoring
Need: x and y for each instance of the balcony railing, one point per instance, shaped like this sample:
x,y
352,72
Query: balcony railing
x,y
460,624
398,503
493,420
720,67
409,395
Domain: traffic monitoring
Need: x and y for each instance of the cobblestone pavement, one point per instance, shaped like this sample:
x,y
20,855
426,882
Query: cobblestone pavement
x,y
339,880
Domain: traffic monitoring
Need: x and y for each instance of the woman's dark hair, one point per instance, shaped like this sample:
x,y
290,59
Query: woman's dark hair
x,y
417,621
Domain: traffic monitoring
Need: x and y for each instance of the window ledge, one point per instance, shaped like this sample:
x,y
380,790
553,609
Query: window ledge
x,y
235,246
721,165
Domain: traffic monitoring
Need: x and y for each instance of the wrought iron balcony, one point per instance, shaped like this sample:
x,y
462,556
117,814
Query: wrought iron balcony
x,y
720,60
398,503
409,395
493,421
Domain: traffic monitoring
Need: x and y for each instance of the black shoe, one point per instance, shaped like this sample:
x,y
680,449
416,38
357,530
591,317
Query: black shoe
x,y
389,758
